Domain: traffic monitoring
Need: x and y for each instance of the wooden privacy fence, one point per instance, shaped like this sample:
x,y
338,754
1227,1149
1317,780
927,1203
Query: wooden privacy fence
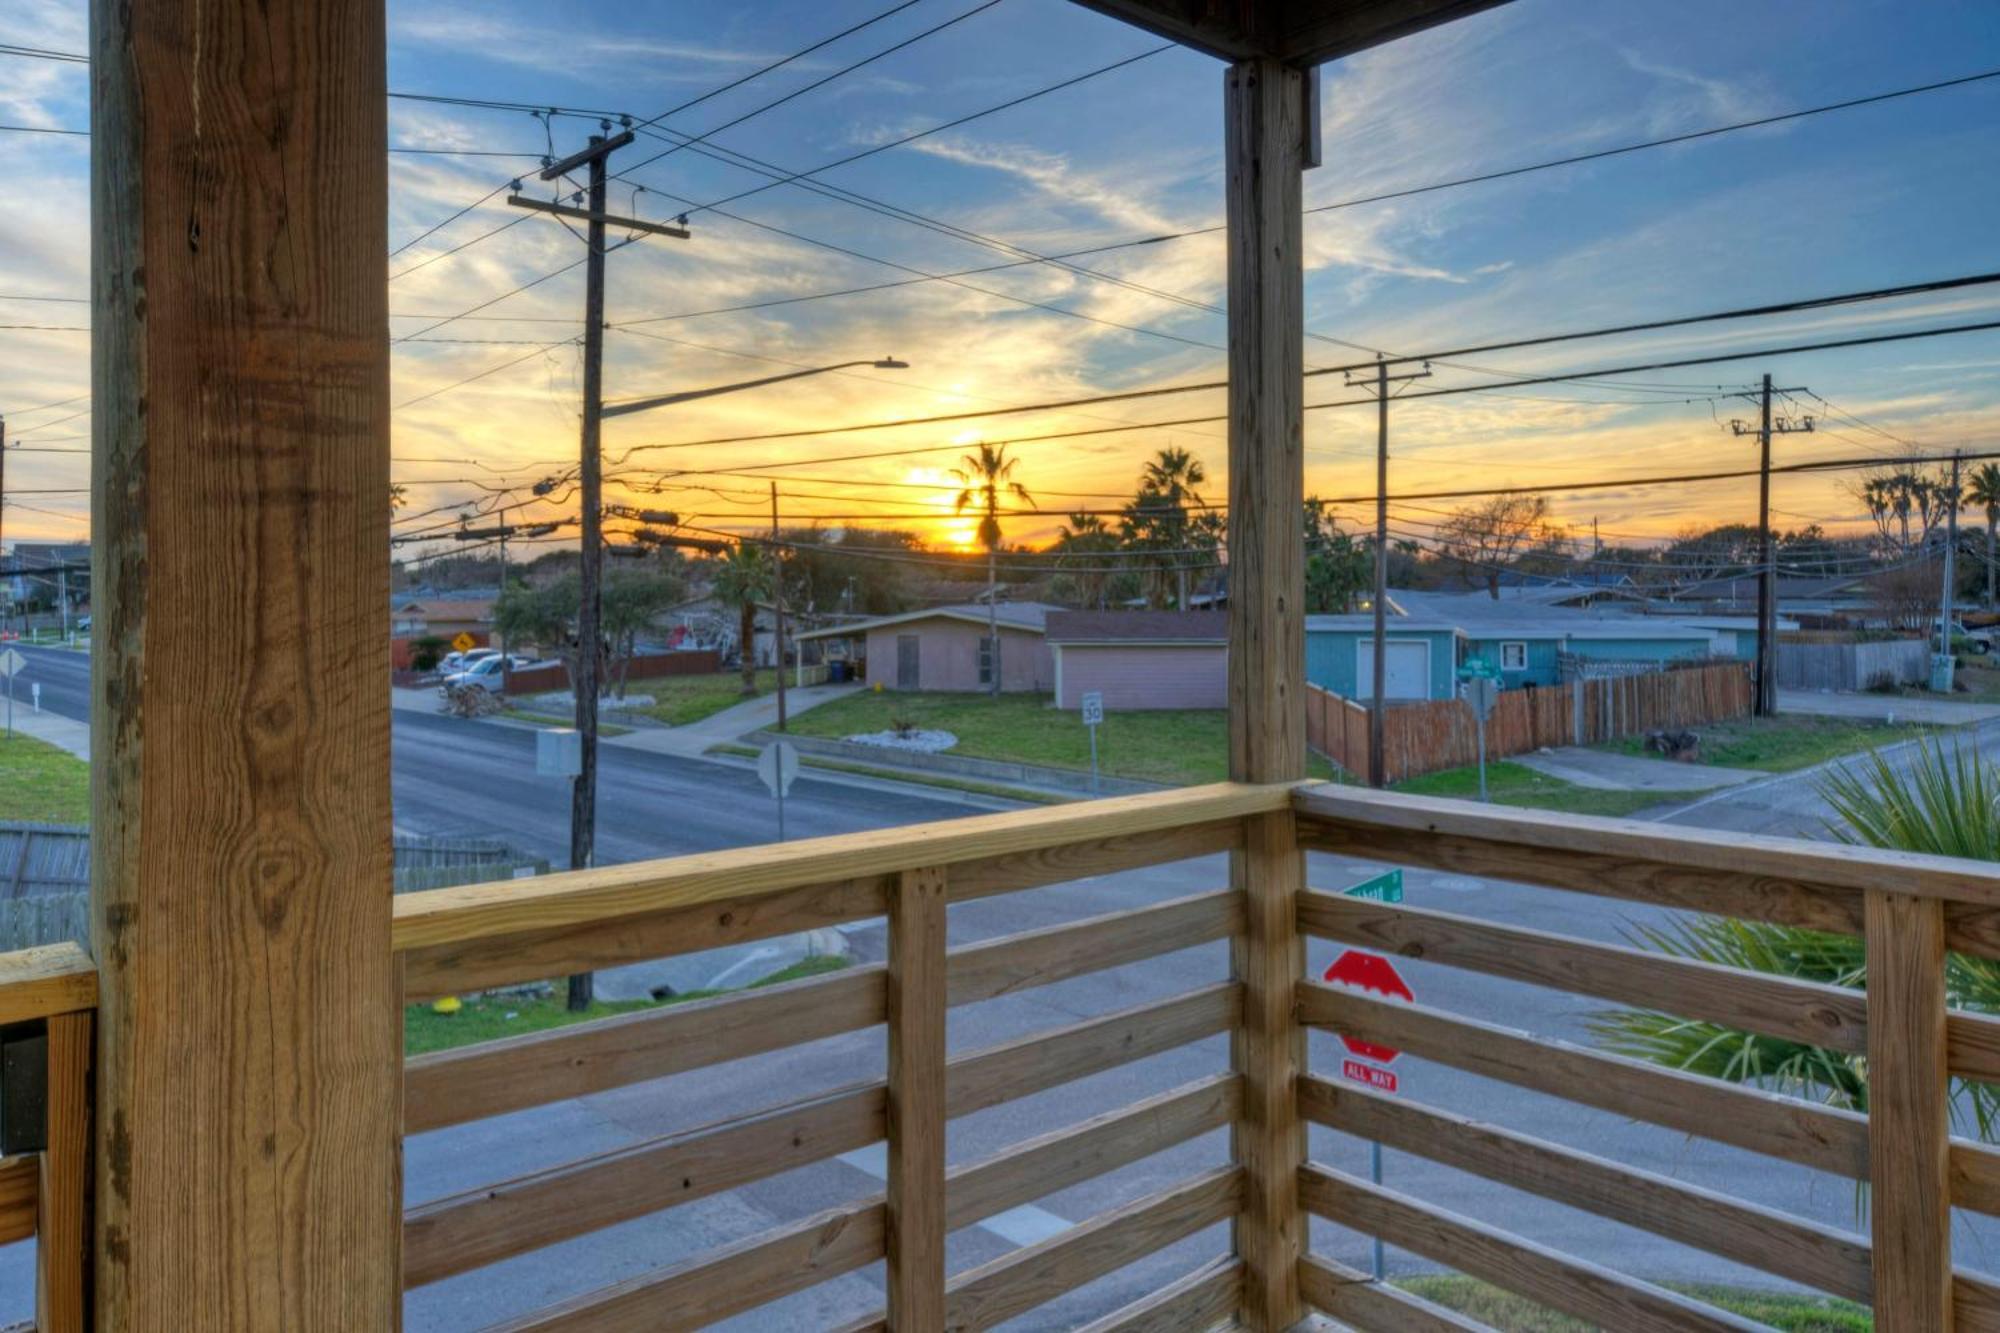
x,y
1851,666
1908,909
1424,737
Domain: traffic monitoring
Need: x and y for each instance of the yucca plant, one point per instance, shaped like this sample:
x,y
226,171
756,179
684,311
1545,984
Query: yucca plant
x,y
1944,803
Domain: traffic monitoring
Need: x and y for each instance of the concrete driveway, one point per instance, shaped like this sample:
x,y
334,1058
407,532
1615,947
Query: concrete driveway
x,y
1887,707
1623,772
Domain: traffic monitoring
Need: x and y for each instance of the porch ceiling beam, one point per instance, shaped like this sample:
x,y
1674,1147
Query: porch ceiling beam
x,y
1298,32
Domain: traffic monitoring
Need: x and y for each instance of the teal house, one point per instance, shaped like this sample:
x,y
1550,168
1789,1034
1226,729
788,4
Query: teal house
x,y
1430,635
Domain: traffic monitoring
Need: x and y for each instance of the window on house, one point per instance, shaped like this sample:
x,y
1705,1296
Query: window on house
x,y
1514,656
985,659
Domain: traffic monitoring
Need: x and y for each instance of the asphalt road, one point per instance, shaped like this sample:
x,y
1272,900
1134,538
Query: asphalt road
x,y
458,777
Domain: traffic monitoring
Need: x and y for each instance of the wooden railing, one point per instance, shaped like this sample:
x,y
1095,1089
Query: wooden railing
x,y
43,1195
1909,910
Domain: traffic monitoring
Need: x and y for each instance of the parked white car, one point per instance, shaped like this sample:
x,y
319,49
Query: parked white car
x,y
488,673
452,663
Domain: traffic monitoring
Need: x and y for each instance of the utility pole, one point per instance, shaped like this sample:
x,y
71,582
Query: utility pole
x,y
589,618
1377,766
778,602
502,633
1950,596
1766,682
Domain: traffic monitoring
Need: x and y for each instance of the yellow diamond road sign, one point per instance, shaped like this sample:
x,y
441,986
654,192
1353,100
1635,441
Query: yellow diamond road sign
x,y
464,642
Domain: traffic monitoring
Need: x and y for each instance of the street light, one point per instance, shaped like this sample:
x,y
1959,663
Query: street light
x,y
646,404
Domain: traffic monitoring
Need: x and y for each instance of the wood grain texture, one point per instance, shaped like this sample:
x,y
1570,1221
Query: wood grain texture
x,y
248,1161
1204,1299
473,1082
1972,1045
62,1223
1035,1274
741,875
1790,1247
722,1282
1831,1016
1975,1176
1908,1100
1358,1301
500,960
1573,1286
1033,958
914,1219
48,979
20,1182
1781,862
1795,1131
483,1226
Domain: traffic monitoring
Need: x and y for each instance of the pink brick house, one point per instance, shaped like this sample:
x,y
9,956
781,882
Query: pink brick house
x,y
1141,659
943,649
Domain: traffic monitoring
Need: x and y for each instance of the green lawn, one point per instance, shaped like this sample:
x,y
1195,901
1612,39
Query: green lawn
x,y
679,700
1516,784
1175,746
1782,744
489,1017
1508,1313
40,782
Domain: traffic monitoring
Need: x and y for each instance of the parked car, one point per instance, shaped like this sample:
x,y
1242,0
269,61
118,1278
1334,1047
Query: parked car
x,y
452,663
488,673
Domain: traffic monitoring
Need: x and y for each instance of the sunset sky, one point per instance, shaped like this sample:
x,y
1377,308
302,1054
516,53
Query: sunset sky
x,y
1902,191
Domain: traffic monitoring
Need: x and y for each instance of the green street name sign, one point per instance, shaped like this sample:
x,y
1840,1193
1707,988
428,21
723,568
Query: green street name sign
x,y
1386,887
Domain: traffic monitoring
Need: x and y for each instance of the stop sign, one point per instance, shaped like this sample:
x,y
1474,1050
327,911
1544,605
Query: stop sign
x,y
1377,975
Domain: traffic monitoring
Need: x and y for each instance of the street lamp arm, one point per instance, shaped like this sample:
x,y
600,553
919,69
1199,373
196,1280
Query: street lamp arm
x,y
686,395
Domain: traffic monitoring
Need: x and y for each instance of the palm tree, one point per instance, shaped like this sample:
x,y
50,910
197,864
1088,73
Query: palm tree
x,y
1084,542
744,579
981,479
1983,491
1159,516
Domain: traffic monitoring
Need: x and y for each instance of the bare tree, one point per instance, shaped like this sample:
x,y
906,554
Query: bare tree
x,y
1483,540
1906,597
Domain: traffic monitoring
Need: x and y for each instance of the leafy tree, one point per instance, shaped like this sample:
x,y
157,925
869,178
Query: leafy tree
x,y
745,577
632,598
828,569
1483,540
1983,492
982,478
543,615
1338,568
427,652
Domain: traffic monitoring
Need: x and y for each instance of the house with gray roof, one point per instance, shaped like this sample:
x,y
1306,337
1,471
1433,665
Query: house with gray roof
x,y
950,649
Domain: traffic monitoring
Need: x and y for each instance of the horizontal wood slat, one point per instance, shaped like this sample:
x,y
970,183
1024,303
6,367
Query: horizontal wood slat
x,y
1815,1136
1636,843
483,1226
1559,1281
20,1185
1975,1303
1201,1300
44,981
1036,1274
451,1087
982,845
1975,1176
472,1082
1033,958
722,1282
1789,1247
456,966
1832,1016
1972,1045
1357,1300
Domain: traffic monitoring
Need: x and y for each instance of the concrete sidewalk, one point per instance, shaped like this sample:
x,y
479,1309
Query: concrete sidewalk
x,y
696,738
63,732
1884,707
1624,772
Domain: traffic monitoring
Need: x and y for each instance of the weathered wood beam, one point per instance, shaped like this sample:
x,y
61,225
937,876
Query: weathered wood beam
x,y
1265,142
247,1163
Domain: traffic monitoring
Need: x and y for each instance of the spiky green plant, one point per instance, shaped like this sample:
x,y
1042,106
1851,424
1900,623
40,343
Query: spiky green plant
x,y
1943,802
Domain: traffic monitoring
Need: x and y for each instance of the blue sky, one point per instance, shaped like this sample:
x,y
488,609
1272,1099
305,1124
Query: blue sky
x,y
1898,192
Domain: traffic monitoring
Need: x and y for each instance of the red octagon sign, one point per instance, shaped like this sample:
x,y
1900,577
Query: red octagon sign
x,y
1377,975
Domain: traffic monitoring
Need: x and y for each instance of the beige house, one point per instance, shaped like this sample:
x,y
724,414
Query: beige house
x,y
945,649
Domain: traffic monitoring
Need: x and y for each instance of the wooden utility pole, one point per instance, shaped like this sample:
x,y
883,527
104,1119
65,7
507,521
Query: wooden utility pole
x,y
778,603
1765,684
1377,762
590,481
249,1043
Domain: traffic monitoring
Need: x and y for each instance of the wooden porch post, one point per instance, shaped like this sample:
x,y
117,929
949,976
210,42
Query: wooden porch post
x,y
248,1081
1266,137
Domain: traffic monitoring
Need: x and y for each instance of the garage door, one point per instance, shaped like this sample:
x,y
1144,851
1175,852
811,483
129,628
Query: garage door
x,y
1408,669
